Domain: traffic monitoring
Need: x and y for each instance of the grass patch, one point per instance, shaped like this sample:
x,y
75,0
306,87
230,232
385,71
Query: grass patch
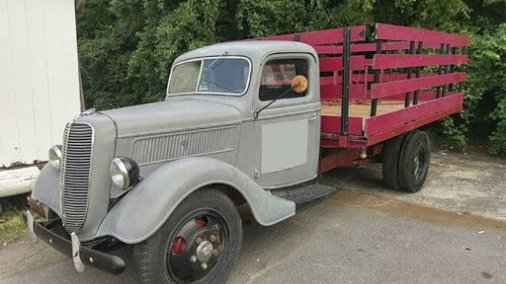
x,y
11,225
11,221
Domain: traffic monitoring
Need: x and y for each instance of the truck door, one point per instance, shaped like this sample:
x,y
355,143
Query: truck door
x,y
287,133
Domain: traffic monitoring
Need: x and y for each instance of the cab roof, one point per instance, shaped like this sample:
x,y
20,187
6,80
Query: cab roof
x,y
253,49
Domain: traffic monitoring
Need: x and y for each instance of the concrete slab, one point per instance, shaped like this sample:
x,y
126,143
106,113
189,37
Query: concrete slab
x,y
467,184
17,181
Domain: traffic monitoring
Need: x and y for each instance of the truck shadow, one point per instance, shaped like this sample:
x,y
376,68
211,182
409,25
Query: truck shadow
x,y
363,178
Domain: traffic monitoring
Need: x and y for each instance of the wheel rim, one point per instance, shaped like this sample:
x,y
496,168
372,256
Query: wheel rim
x,y
197,245
420,162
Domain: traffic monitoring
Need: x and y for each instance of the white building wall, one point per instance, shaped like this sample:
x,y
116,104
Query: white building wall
x,y
39,82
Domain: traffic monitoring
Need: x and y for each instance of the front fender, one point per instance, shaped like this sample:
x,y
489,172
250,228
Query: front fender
x,y
47,187
148,205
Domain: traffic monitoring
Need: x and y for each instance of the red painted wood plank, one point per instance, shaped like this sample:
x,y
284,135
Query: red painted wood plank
x,y
422,96
330,36
361,78
330,64
382,127
332,124
393,32
330,80
386,89
370,47
328,49
385,61
389,46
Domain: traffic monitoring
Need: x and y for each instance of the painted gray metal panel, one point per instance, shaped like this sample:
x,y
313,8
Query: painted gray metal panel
x,y
47,188
284,111
284,145
143,210
167,147
179,114
253,49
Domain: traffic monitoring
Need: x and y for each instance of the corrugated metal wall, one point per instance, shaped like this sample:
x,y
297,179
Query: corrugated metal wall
x,y
39,83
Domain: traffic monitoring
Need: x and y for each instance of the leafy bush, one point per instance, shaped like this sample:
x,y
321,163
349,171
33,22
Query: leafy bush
x,y
497,88
484,114
126,48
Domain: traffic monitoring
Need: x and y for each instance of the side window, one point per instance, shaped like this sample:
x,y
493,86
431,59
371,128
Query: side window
x,y
277,75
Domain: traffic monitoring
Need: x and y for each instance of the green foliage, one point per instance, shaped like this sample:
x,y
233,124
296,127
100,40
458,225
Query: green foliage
x,y
484,113
496,55
126,47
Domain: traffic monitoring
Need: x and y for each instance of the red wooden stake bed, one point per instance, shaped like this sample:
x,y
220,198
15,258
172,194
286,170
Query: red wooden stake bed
x,y
374,90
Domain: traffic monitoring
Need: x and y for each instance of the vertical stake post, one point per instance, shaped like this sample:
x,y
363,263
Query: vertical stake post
x,y
452,69
345,101
407,96
374,102
446,68
439,90
417,75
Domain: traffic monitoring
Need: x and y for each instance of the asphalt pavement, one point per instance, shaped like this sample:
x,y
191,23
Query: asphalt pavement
x,y
363,234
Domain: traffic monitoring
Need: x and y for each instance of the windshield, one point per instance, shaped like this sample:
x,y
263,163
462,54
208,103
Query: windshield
x,y
219,75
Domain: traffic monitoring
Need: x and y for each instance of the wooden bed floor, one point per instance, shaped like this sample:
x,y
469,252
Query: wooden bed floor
x,y
358,109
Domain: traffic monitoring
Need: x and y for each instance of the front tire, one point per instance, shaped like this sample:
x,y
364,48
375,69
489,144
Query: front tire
x,y
199,242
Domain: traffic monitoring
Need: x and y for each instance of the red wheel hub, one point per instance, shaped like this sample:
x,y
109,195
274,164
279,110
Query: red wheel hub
x,y
178,246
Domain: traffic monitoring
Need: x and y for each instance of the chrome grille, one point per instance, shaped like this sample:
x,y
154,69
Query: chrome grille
x,y
75,173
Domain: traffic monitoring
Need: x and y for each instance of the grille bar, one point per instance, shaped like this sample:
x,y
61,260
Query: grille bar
x,y
75,173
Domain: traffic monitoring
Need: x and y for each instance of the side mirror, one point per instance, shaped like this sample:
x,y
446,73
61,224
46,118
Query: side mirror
x,y
299,84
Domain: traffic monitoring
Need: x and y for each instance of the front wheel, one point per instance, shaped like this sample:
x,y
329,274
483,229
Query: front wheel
x,y
198,243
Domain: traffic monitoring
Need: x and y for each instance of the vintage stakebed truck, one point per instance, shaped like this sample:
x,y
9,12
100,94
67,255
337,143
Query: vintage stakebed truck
x,y
245,125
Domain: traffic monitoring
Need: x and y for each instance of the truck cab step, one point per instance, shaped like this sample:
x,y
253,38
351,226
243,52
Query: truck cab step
x,y
306,194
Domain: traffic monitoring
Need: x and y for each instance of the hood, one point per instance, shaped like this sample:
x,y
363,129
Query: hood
x,y
173,115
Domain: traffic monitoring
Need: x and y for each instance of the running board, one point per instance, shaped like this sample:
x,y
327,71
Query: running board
x,y
306,195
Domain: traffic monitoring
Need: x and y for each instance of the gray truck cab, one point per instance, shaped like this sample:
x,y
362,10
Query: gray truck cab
x,y
278,146
240,121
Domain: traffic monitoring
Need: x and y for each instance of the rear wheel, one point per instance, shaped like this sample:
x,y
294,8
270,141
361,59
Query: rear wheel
x,y
414,161
198,243
391,151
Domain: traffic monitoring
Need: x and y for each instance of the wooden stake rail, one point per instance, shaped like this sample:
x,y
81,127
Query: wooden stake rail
x,y
418,68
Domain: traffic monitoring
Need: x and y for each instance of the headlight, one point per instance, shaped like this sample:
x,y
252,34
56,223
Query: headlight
x,y
124,172
55,155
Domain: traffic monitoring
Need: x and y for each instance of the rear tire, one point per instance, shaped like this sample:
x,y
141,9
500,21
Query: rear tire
x,y
391,151
414,161
199,242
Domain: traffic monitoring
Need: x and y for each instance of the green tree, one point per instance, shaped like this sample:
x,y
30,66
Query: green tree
x,y
126,47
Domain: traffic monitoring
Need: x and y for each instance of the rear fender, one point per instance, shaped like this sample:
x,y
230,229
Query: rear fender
x,y
147,206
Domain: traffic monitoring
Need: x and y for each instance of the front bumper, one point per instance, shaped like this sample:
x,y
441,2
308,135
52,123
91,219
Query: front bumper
x,y
80,254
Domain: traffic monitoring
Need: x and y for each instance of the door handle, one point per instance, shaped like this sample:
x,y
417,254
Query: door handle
x,y
313,117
